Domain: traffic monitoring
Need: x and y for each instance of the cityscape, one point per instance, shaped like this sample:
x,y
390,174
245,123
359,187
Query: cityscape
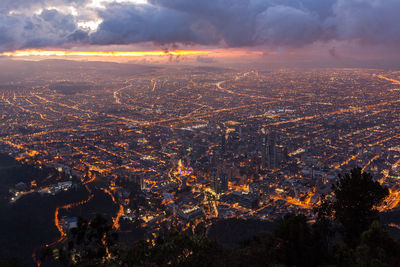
x,y
208,143
189,133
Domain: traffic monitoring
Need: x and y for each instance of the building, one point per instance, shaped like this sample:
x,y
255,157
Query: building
x,y
190,213
71,223
245,200
218,182
223,179
269,158
138,180
213,178
223,143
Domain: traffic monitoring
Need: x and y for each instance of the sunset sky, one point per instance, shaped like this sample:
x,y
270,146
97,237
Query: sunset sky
x,y
206,31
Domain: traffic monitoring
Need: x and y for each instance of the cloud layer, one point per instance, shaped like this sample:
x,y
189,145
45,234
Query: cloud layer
x,y
221,23
48,28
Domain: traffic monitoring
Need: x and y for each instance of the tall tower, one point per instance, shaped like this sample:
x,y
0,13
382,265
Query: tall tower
x,y
223,179
264,149
223,143
269,159
271,150
214,178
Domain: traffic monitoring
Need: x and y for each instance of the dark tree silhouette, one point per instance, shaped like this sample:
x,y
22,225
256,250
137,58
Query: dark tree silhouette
x,y
356,196
377,248
294,241
90,244
178,249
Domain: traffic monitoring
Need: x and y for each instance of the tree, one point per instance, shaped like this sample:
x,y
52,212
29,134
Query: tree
x,y
258,251
294,241
177,249
356,196
90,244
323,233
377,248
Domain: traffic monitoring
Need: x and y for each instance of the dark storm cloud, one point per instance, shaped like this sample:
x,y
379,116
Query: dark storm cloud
x,y
49,28
370,21
284,25
258,22
235,22
20,28
251,22
127,23
232,21
227,23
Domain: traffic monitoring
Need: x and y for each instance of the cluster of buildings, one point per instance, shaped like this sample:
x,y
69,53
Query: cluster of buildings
x,y
199,145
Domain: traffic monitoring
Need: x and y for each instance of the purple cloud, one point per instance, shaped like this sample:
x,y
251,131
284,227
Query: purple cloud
x,y
217,23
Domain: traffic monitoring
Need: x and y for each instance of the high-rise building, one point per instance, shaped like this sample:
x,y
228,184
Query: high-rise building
x,y
218,181
213,178
223,179
271,147
223,143
138,180
269,159
263,149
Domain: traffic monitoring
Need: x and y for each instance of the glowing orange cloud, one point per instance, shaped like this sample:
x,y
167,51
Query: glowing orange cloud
x,y
27,53
235,53
121,54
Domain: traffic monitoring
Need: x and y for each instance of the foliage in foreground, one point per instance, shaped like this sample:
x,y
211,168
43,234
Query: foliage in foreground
x,y
346,233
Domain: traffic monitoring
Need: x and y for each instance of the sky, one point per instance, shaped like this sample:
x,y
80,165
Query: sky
x,y
208,30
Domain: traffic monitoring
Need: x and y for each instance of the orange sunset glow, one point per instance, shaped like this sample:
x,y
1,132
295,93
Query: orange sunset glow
x,y
25,53
121,54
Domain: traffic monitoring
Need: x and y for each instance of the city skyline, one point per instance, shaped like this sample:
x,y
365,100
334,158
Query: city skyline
x,y
199,132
